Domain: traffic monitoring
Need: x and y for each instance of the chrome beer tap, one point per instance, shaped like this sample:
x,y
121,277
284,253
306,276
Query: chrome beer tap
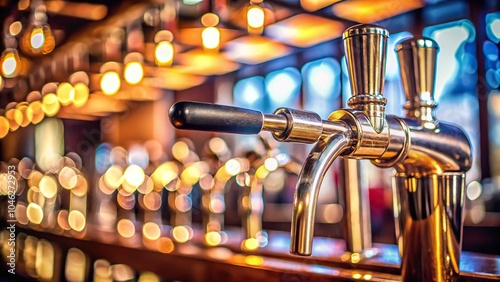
x,y
430,158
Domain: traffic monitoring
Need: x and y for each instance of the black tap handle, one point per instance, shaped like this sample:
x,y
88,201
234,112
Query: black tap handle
x,y
213,117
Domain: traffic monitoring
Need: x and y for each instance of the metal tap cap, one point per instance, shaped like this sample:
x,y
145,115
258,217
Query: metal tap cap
x,y
417,63
364,29
366,53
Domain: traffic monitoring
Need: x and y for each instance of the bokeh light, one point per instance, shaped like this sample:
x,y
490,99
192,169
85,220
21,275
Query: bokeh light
x,y
34,213
110,83
76,220
151,231
125,228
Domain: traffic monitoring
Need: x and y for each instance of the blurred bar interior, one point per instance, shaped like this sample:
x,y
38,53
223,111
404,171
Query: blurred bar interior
x,y
100,186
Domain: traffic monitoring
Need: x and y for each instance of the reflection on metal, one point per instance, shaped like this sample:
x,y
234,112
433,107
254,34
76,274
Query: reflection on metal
x,y
429,221
430,159
357,227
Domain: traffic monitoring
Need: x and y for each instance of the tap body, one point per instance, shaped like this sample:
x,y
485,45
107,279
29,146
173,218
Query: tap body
x,y
429,158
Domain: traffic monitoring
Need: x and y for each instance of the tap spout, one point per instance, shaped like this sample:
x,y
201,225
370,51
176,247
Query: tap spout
x,y
318,161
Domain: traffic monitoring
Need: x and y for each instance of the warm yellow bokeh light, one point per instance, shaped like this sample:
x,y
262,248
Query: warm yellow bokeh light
x,y
180,234
180,150
213,238
76,220
134,175
65,93
9,64
133,73
37,38
81,188
110,83
254,260
165,245
76,265
27,114
125,228
48,186
233,167
50,105
209,19
164,53
15,28
152,201
113,177
210,37
255,16
81,94
34,213
62,220
68,178
149,277
151,231
36,108
250,244
4,127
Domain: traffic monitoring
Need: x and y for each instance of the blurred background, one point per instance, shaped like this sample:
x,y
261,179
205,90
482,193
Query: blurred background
x,y
86,86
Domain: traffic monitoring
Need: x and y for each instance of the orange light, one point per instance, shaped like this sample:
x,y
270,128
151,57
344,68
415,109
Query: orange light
x,y
125,228
4,127
165,245
368,11
314,5
209,19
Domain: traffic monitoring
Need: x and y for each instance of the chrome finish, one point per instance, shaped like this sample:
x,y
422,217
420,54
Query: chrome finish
x,y
306,195
367,142
357,228
429,218
274,123
417,61
430,158
366,52
304,127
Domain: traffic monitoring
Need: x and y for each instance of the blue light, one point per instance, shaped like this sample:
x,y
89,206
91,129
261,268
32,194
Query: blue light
x,y
321,85
451,38
139,156
249,93
322,77
283,87
102,157
490,51
493,26
492,79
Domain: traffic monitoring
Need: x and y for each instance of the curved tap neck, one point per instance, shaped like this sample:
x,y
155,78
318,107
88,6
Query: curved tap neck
x,y
306,195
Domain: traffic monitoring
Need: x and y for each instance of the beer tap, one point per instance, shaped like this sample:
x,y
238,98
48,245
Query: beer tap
x,y
430,158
